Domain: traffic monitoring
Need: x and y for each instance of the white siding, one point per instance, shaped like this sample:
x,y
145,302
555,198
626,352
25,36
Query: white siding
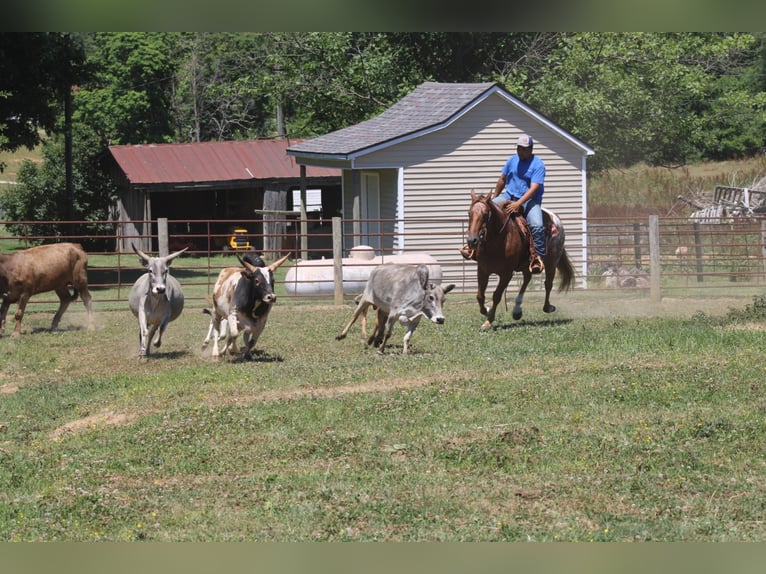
x,y
442,167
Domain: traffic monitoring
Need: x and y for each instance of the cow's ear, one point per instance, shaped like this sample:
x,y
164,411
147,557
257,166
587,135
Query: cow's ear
x,y
422,271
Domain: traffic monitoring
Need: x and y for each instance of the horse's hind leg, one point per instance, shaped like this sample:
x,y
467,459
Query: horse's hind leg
x,y
517,310
550,274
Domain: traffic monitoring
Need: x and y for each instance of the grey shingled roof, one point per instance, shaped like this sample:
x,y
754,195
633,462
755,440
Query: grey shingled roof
x,y
428,105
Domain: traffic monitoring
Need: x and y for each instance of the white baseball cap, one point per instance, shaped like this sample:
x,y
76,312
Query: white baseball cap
x,y
525,141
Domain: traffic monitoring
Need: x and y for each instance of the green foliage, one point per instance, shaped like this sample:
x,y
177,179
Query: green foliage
x,y
36,71
653,97
42,197
127,100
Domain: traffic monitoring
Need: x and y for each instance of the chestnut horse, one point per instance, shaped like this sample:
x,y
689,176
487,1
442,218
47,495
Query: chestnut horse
x,y
499,246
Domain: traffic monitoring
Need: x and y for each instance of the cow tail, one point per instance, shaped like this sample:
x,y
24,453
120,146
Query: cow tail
x,y
73,293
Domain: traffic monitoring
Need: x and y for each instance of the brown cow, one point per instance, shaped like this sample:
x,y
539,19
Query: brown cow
x,y
56,267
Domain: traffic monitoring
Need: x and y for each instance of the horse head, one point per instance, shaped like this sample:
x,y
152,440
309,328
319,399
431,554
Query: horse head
x,y
483,215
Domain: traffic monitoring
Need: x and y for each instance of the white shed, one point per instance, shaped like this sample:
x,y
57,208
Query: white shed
x,y
407,173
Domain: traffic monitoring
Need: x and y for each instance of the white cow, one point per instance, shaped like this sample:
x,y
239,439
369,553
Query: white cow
x,y
155,299
400,293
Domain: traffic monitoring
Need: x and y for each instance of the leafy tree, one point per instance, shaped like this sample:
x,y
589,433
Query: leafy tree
x,y
128,99
640,96
218,93
37,70
41,195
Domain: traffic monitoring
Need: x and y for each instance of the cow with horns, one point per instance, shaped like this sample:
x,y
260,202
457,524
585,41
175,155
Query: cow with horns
x,y
242,300
399,293
155,299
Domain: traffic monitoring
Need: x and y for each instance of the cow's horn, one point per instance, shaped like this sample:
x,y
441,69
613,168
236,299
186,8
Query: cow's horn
x,y
176,254
274,266
140,253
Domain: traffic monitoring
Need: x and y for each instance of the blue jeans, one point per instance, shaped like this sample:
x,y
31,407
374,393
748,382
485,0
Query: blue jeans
x,y
532,210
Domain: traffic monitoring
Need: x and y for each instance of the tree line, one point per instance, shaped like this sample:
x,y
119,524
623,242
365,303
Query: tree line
x,y
660,98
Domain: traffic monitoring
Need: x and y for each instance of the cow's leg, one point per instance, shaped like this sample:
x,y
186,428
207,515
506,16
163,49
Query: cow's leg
x,y
380,324
254,332
65,298
4,313
148,338
360,308
20,306
143,329
161,331
389,326
408,335
231,339
218,324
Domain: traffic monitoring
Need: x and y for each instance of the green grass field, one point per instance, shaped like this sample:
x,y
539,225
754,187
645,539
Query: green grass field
x,y
613,420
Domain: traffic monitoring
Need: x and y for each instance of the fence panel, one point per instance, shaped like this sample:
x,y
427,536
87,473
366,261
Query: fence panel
x,y
692,256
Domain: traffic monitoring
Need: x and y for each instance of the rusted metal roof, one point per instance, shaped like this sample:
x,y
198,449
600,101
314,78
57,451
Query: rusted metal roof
x,y
211,161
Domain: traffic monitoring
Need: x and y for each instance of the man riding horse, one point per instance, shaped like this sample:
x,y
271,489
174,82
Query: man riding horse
x,y
520,188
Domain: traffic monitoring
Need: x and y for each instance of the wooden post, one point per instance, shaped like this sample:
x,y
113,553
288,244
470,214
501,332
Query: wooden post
x,y
654,257
162,236
337,258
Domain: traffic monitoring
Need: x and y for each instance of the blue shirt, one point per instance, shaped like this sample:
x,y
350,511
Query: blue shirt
x,y
520,175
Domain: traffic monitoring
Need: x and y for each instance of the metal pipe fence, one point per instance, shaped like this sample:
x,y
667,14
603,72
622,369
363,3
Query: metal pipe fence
x,y
690,256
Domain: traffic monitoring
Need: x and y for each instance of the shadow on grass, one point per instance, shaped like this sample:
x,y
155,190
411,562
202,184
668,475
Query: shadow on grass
x,y
258,357
525,323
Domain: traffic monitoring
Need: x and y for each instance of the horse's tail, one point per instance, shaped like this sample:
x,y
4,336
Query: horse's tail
x,y
566,271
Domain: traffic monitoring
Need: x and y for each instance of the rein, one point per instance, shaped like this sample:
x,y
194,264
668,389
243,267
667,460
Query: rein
x,y
485,223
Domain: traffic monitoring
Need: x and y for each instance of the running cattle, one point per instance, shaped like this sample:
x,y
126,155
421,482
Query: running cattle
x,y
56,267
400,293
242,300
155,299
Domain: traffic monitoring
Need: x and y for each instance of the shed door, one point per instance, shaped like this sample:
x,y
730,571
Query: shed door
x,y
371,210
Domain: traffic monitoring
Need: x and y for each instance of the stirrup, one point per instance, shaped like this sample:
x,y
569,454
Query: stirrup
x,y
536,266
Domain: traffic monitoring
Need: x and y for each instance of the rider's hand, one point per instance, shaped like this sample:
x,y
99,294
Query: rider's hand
x,y
511,207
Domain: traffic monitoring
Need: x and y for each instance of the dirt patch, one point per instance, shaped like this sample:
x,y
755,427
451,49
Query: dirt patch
x,y
325,392
9,388
109,418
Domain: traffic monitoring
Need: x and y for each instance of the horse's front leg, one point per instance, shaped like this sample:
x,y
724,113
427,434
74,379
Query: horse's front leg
x,y
517,310
483,281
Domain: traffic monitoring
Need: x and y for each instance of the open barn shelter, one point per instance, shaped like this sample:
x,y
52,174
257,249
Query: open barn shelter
x,y
407,173
237,183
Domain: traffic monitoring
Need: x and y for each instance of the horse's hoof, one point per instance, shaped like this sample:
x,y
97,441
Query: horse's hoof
x,y
549,308
517,314
486,326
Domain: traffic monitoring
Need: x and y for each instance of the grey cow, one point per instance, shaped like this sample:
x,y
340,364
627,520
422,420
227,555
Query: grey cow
x,y
400,293
155,299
